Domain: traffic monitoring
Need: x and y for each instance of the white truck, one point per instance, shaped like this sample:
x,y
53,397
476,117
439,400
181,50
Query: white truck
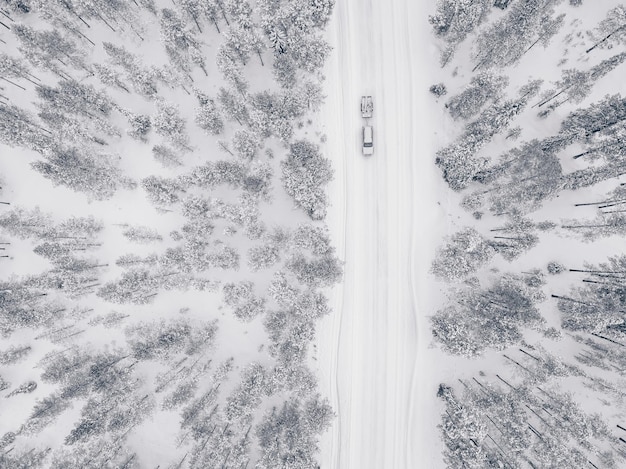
x,y
368,140
367,109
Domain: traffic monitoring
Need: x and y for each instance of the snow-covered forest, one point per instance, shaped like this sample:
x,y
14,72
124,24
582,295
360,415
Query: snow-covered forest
x,y
200,269
164,255
533,108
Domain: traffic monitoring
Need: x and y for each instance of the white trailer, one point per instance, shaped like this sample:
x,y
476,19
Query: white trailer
x,y
367,106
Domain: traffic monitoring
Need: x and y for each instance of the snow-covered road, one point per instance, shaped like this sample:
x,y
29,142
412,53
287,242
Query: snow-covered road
x,y
385,221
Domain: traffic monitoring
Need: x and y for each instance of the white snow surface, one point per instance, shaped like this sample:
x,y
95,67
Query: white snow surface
x,y
387,217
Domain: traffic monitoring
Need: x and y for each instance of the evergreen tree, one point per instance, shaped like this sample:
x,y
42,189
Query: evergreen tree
x,y
482,88
305,173
611,31
288,436
48,49
455,19
465,253
208,116
600,306
489,318
82,171
525,24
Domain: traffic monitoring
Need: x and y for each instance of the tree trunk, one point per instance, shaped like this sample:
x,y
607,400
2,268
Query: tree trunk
x,y
538,416
105,22
605,38
145,297
597,148
502,245
21,73
517,363
78,33
481,385
613,211
478,65
599,271
136,33
463,383
618,285
128,461
584,226
195,20
593,203
182,461
512,387
226,458
225,148
606,338
531,356
492,297
71,10
123,87
606,126
13,83
547,394
554,106
554,96
613,203
534,430
7,16
55,331
65,65
533,44
571,300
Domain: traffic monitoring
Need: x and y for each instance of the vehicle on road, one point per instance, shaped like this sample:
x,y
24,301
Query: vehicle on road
x,y
368,140
367,106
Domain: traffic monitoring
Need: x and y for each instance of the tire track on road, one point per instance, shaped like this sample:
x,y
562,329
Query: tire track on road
x,y
412,458
374,367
